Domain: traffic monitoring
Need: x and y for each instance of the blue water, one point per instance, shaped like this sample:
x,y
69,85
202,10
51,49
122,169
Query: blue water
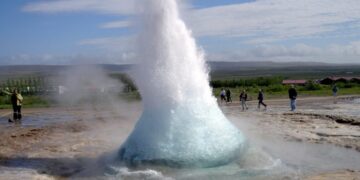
x,y
38,119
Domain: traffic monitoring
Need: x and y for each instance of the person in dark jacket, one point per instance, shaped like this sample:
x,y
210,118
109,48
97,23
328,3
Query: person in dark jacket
x,y
243,99
261,99
228,95
292,97
335,90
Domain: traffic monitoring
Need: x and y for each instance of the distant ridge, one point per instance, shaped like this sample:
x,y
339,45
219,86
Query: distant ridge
x,y
24,69
217,69
217,65
212,64
228,66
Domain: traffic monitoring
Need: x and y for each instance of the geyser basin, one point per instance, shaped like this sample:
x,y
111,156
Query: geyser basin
x,y
182,124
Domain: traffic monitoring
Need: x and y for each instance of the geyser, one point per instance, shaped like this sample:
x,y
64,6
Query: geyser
x,y
181,124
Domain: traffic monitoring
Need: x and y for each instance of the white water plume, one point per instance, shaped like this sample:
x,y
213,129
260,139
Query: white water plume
x,y
182,124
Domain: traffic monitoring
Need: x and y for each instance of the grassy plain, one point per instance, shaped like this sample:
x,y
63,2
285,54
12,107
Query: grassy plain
x,y
253,92
268,76
233,76
29,101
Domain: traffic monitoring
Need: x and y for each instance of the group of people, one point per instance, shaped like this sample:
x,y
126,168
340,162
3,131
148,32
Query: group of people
x,y
225,96
244,98
16,102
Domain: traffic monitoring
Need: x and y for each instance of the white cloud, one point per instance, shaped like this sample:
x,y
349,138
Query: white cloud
x,y
116,24
116,44
351,49
299,50
261,21
258,23
48,59
100,6
114,47
335,53
25,59
272,20
348,53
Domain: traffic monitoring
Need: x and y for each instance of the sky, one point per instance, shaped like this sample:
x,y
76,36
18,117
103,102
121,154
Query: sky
x,y
101,31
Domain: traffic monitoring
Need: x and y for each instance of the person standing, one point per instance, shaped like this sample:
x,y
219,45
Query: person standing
x,y
335,90
292,97
243,99
222,95
228,96
261,99
16,102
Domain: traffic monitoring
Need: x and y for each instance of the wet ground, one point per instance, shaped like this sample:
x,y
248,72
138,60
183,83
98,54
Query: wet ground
x,y
319,141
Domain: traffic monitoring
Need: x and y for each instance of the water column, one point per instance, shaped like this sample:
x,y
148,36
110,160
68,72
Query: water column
x,y
181,124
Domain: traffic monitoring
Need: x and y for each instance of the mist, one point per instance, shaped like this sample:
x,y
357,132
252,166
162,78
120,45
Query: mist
x,y
84,84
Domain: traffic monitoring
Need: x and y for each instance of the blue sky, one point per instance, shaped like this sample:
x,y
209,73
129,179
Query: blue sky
x,y
100,31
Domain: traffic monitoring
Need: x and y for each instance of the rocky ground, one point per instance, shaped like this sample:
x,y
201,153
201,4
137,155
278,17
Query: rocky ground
x,y
61,143
46,145
317,121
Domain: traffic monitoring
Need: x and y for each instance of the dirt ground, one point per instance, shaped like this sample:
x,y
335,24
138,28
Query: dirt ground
x,y
317,120
61,143
57,143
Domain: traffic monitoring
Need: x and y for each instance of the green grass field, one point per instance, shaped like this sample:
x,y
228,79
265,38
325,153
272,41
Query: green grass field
x,y
253,92
29,101
235,77
42,101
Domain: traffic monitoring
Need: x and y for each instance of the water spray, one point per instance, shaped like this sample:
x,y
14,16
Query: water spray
x,y
181,124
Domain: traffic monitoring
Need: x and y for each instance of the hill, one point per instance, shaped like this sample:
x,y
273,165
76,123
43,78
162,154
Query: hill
x,y
218,70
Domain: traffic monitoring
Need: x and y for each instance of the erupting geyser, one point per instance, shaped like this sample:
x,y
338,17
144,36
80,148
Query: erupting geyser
x,y
182,124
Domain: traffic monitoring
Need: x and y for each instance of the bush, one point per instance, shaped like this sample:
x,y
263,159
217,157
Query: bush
x,y
275,88
246,82
5,100
350,85
311,86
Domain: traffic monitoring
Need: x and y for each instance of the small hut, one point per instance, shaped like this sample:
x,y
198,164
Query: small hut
x,y
294,82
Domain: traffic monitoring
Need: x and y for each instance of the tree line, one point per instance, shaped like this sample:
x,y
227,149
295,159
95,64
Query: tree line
x,y
27,85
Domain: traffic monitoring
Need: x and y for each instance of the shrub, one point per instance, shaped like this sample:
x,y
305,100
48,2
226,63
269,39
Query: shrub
x,y
349,85
275,88
311,86
246,82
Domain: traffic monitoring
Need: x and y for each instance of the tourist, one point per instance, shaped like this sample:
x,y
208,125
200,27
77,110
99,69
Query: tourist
x,y
243,99
228,95
16,102
261,99
222,95
292,97
335,89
